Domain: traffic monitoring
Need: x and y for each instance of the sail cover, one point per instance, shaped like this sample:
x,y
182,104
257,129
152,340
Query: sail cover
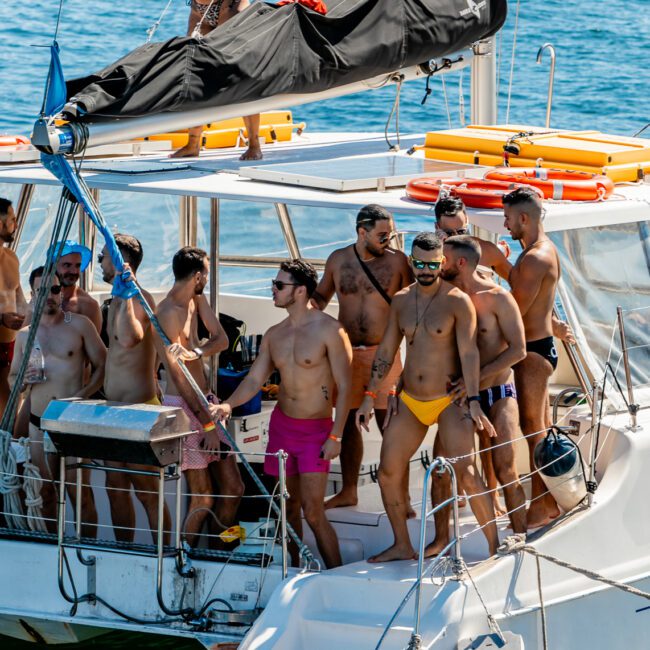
x,y
269,50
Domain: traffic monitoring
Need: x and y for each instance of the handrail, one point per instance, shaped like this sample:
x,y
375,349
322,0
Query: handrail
x,y
551,49
440,465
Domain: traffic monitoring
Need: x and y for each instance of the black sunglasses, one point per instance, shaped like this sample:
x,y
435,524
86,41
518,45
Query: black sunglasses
x,y
451,233
279,284
100,258
55,289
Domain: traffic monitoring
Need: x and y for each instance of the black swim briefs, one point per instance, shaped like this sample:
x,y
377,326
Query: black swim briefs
x,y
545,348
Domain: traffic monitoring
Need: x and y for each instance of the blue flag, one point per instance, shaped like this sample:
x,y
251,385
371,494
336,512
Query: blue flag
x,y
55,90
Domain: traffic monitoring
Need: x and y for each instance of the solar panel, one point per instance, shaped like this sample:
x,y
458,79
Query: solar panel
x,y
135,167
359,172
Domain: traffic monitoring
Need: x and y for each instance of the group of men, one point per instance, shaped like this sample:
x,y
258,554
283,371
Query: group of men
x,y
477,360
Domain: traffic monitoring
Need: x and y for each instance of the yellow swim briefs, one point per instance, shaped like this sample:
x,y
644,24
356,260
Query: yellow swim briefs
x,y
427,412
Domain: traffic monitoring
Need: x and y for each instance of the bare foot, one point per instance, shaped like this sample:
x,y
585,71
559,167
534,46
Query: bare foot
x,y
341,500
252,153
394,553
538,517
410,512
190,150
435,548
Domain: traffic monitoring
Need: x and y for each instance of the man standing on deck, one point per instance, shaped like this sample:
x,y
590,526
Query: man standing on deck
x,y
206,469
500,340
208,14
73,261
312,353
534,279
12,301
131,378
68,342
439,322
365,277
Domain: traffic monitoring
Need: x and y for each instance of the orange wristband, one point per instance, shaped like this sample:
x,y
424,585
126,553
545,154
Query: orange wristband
x,y
210,426
334,438
392,392
369,393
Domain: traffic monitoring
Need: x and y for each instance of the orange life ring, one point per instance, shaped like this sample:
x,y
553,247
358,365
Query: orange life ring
x,y
558,184
475,193
12,140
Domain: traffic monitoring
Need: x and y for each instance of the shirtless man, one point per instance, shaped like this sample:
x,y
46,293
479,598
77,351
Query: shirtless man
x,y
500,340
130,377
12,301
206,470
534,280
363,312
68,342
208,14
439,323
451,220
73,261
312,352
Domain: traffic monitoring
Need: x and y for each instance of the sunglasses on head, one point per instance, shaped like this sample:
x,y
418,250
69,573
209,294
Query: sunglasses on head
x,y
280,284
432,266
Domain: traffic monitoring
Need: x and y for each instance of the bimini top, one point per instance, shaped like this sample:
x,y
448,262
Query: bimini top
x,y
269,50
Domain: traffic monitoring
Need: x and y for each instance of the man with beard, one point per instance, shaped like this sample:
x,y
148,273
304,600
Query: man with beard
x,y
68,342
364,277
12,301
206,15
131,378
312,353
73,261
207,470
439,323
534,279
500,340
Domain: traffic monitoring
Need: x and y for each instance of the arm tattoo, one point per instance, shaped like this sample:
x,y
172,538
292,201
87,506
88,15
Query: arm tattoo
x,y
325,393
380,367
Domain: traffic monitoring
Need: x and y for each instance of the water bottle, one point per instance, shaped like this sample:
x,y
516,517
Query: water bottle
x,y
35,373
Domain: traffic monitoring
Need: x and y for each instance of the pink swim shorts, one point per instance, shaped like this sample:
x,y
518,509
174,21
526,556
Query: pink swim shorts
x,y
302,440
194,457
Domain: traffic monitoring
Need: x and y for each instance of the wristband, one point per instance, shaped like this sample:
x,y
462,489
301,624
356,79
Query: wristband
x,y
210,426
393,393
334,438
473,398
198,352
369,393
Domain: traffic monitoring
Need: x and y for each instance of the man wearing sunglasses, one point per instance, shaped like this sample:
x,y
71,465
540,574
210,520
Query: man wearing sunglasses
x,y
68,342
451,220
312,353
439,324
501,344
364,276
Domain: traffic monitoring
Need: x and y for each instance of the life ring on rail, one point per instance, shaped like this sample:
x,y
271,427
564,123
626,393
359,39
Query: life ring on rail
x,y
475,193
13,140
558,184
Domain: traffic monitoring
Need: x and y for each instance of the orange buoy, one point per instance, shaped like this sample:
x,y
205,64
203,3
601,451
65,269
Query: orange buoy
x,y
558,184
474,193
13,140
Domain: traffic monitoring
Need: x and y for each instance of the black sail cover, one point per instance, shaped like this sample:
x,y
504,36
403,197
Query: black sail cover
x,y
268,50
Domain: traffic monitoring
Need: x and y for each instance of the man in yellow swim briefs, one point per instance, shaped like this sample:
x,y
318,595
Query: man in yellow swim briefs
x,y
439,324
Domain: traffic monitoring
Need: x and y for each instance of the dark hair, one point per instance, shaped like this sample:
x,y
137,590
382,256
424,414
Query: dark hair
x,y
303,273
36,273
131,249
187,262
467,246
370,214
523,196
427,241
448,206
5,204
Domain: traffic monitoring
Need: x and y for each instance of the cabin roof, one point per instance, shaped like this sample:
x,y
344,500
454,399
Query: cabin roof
x,y
216,175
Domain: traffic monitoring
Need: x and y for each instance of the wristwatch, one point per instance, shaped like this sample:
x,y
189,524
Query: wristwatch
x,y
473,398
198,352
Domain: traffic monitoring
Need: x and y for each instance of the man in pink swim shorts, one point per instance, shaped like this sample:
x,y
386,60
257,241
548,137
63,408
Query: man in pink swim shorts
x,y
312,352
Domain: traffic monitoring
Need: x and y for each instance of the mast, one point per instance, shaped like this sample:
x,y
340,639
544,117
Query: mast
x,y
484,83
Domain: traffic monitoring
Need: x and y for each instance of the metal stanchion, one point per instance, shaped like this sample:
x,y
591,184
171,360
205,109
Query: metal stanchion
x,y
632,406
282,464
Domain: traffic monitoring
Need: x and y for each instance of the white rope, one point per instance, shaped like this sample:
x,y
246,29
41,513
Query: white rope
x,y
32,485
10,483
492,623
512,61
444,94
152,30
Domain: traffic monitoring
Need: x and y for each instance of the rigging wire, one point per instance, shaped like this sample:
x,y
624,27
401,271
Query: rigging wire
x,y
152,30
394,110
512,61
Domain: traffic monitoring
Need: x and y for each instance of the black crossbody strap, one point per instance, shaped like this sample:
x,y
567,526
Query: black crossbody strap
x,y
371,277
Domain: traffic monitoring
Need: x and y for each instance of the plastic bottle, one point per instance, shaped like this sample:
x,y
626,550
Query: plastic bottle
x,y
36,367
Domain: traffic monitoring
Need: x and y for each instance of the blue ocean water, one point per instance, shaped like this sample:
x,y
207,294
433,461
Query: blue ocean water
x,y
602,81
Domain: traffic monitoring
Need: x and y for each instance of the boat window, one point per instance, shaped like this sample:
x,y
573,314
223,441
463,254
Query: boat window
x,y
32,247
10,191
603,268
153,219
